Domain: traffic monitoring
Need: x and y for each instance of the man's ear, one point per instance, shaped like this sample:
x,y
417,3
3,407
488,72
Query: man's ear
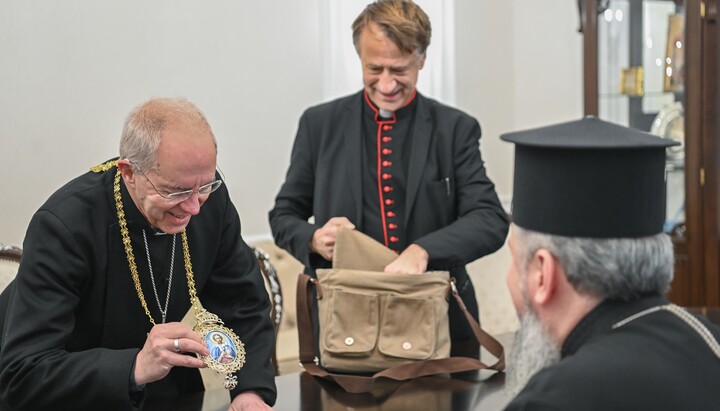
x,y
127,173
543,279
422,60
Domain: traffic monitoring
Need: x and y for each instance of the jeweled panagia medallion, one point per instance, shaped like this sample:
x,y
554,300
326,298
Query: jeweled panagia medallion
x,y
227,352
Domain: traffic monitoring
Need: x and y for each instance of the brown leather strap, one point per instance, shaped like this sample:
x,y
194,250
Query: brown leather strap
x,y
304,310
358,383
486,340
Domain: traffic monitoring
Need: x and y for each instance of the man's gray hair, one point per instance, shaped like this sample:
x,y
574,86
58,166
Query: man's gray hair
x,y
144,125
613,268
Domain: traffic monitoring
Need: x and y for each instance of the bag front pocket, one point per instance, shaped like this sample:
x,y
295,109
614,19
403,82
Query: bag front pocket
x,y
408,328
351,324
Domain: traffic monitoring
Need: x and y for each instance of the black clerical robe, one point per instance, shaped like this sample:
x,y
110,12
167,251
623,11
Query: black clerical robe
x,y
75,323
450,207
655,362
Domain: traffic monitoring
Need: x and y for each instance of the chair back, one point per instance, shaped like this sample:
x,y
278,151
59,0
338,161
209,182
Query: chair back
x,y
272,284
9,264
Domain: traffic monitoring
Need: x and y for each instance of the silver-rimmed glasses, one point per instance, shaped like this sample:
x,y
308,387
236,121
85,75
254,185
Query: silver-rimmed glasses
x,y
180,196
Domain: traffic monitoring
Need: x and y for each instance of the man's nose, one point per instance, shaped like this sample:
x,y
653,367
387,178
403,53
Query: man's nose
x,y
192,204
387,82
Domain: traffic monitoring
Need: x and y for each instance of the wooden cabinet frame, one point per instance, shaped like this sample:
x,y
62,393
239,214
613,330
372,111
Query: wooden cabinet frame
x,y
697,248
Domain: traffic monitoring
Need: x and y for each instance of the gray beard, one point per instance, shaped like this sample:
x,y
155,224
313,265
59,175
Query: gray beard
x,y
532,350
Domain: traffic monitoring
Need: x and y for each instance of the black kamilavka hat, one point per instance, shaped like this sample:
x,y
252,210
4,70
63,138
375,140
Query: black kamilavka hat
x,y
589,178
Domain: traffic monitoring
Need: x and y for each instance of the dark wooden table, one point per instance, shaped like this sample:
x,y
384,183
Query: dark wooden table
x,y
472,391
302,392
481,391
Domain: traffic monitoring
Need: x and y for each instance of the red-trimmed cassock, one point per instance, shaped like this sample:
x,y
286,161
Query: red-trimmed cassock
x,y
415,176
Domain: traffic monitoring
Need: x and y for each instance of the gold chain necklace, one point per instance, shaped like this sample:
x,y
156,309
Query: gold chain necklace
x,y
131,256
209,325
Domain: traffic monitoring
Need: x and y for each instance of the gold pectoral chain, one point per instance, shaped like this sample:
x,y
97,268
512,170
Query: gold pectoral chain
x,y
206,322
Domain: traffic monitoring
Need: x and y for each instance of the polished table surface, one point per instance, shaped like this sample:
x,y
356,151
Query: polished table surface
x,y
472,391
481,391
301,392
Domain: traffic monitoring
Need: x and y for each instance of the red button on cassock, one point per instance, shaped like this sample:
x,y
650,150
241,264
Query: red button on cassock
x,y
394,239
386,151
386,176
392,226
387,127
387,139
390,214
389,202
387,189
386,163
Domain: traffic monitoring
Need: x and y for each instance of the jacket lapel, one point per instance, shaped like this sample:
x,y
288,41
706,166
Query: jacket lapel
x,y
421,130
352,139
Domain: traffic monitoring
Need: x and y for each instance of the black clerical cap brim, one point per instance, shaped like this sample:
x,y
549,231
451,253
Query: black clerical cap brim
x,y
589,178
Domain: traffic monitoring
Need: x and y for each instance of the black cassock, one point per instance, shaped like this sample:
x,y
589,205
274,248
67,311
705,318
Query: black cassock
x,y
75,324
655,362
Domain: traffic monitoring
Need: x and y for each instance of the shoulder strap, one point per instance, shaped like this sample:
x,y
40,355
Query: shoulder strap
x,y
357,383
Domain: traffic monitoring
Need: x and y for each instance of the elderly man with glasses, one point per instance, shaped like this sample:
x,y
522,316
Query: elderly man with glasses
x,y
114,260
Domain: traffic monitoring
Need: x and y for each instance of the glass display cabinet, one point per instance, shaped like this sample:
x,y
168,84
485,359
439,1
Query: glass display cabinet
x,y
654,65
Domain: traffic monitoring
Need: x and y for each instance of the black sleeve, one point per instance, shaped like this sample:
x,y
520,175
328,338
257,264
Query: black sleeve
x,y
481,225
36,370
236,292
294,203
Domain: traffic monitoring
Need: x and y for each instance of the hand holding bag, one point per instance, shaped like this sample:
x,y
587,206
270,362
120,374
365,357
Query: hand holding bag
x,y
383,325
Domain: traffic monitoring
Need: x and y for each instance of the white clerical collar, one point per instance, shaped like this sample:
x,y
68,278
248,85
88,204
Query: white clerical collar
x,y
385,113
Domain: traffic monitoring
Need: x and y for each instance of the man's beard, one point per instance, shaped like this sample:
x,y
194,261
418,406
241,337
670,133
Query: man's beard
x,y
533,349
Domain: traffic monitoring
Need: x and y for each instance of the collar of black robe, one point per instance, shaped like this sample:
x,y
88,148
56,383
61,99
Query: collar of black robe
x,y
135,219
600,320
403,113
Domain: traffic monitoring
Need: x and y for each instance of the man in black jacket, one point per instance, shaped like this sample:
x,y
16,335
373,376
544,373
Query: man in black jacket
x,y
113,261
589,273
402,168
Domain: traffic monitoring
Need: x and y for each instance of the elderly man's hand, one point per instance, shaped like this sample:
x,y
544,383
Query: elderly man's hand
x,y
248,401
413,260
164,349
323,239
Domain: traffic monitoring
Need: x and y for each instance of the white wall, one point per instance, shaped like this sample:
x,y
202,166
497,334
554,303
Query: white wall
x,y
70,72
519,65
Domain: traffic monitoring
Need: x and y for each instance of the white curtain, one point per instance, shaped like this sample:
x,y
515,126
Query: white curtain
x,y
342,71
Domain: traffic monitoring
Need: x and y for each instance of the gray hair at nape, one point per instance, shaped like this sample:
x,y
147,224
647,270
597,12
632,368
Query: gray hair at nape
x,y
607,268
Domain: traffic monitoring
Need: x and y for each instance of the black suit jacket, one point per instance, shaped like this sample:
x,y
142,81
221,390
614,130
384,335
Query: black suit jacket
x,y
452,209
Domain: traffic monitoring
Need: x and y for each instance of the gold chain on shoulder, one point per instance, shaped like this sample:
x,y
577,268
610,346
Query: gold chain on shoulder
x,y
128,245
104,166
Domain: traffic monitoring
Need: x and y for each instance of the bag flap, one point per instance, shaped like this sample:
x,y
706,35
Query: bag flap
x,y
357,251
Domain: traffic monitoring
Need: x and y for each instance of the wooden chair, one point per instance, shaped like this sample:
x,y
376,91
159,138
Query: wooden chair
x,y
9,263
272,283
286,268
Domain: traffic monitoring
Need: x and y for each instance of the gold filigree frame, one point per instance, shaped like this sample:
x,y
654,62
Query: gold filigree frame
x,y
208,331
